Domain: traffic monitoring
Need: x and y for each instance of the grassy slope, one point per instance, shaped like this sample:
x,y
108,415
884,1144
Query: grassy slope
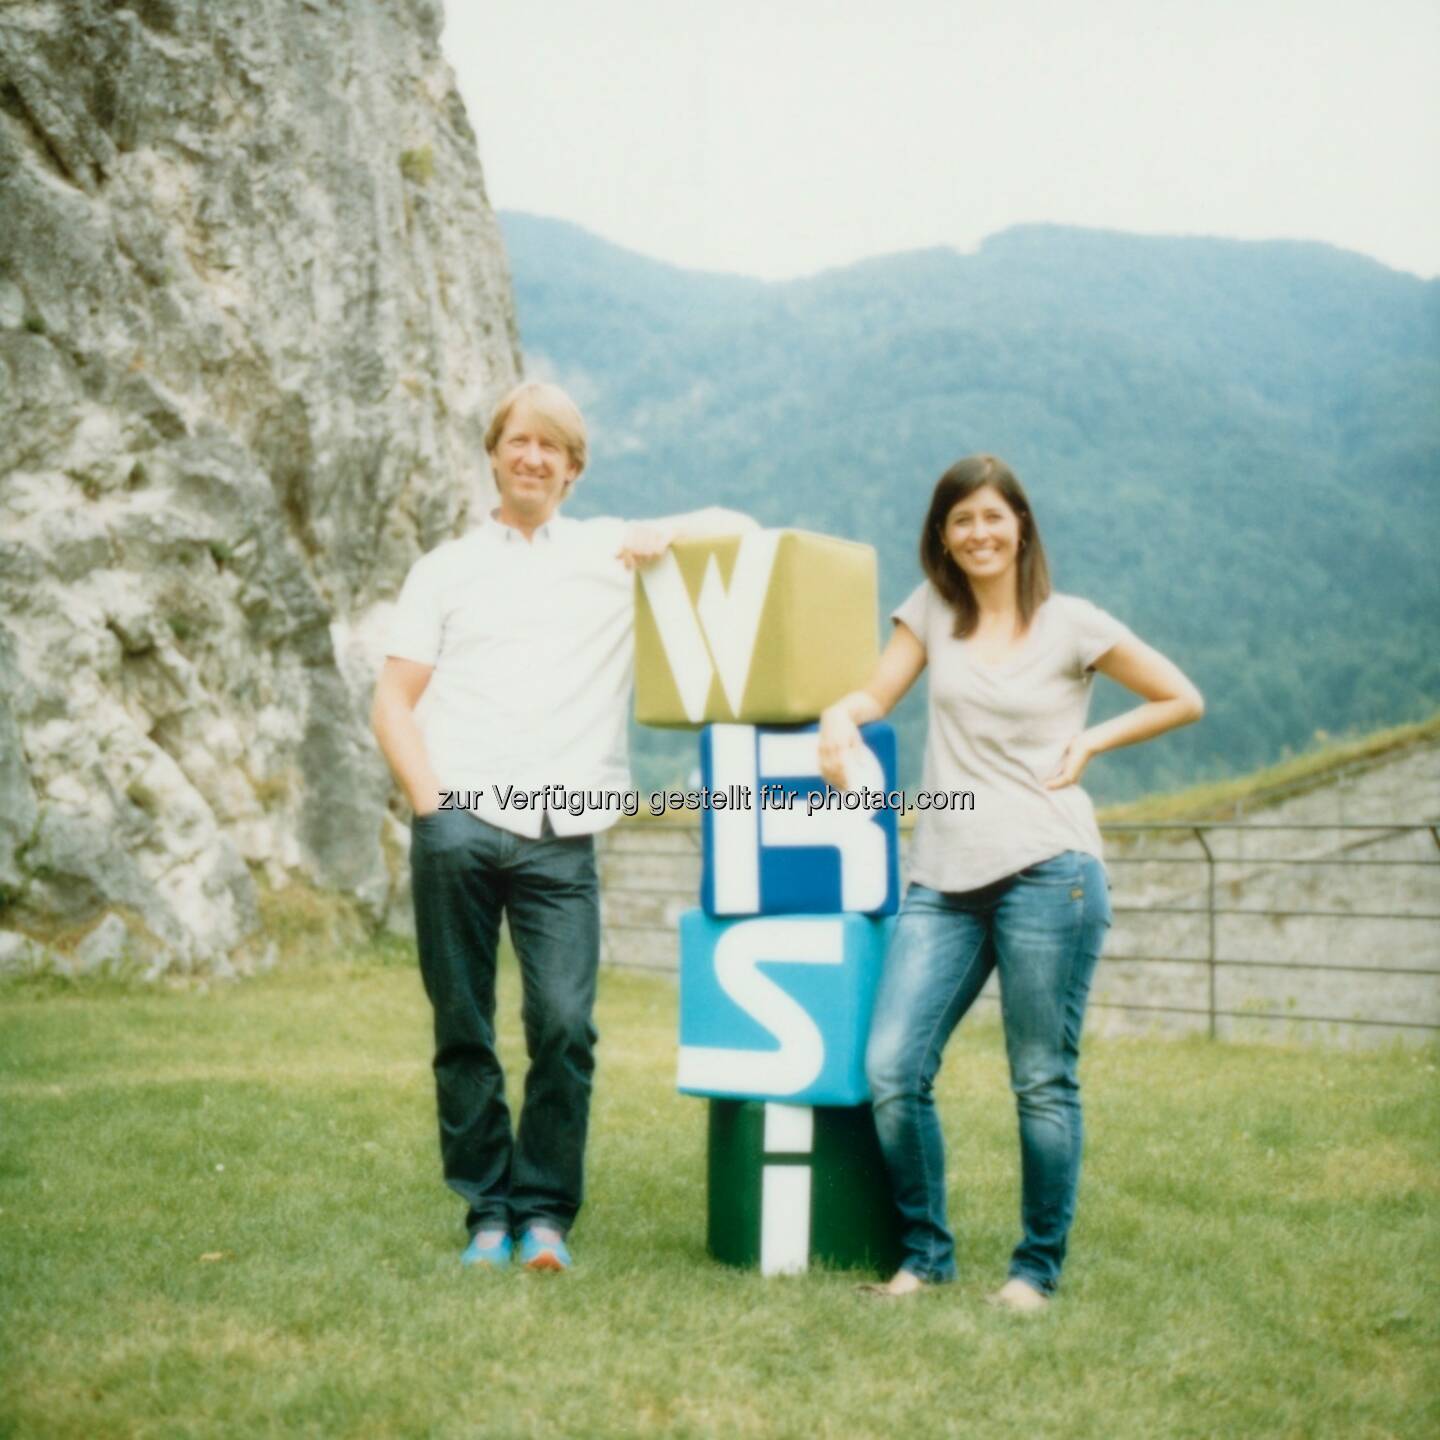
x,y
1249,793
1255,1252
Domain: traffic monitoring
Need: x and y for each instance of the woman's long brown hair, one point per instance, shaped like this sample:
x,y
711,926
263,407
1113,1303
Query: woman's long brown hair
x,y
958,483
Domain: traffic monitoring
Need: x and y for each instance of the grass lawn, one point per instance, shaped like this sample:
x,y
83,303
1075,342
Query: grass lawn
x,y
221,1214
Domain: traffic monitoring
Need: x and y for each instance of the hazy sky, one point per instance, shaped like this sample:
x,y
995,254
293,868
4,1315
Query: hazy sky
x,y
779,137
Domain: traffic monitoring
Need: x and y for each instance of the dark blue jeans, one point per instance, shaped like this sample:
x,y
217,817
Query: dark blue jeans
x,y
464,873
1043,929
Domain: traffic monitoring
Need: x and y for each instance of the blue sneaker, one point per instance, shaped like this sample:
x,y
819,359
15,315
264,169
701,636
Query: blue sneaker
x,y
542,1248
489,1249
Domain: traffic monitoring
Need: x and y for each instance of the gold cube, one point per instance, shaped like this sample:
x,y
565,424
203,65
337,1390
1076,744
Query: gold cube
x,y
766,628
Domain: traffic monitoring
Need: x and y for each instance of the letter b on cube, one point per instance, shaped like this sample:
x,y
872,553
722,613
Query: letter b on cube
x,y
778,1007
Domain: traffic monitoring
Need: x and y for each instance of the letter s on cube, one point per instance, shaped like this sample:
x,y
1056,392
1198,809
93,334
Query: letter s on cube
x,y
775,859
778,1007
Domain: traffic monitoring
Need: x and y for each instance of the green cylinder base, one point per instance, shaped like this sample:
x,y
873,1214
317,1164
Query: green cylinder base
x,y
791,1186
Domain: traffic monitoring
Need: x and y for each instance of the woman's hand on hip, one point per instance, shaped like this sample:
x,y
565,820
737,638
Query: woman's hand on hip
x,y
1078,754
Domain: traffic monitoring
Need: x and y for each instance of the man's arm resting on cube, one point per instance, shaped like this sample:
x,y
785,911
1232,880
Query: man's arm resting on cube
x,y
648,540
392,718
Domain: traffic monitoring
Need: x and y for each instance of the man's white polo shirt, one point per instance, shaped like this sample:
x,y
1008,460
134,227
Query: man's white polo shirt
x,y
533,644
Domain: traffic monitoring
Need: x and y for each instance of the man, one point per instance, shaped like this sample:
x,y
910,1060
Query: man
x,y
519,636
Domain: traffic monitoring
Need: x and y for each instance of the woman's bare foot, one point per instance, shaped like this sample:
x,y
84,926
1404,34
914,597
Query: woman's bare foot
x,y
1018,1296
900,1284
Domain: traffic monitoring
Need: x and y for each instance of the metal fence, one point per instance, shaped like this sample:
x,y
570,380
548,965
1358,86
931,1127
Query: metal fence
x,y
1347,842
1192,947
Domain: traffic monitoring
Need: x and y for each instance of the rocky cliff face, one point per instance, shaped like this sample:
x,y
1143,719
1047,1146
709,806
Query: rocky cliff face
x,y
254,310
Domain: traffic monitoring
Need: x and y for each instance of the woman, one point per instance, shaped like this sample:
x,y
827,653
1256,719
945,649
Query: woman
x,y
1015,883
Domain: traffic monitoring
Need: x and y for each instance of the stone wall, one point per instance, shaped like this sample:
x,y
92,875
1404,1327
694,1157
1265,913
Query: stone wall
x,y
1156,975
254,312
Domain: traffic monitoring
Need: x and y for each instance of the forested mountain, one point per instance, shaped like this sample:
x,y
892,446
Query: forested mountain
x,y
1234,446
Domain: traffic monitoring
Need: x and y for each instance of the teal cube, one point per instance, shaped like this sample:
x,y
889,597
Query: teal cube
x,y
778,1007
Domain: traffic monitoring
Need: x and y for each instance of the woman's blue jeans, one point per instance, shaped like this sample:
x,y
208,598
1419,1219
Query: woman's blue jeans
x,y
464,873
1043,929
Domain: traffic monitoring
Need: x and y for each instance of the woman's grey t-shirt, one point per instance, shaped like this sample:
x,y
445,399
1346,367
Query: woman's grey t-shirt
x,y
999,731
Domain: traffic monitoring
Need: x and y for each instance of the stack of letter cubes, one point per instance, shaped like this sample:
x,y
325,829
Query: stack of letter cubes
x,y
751,637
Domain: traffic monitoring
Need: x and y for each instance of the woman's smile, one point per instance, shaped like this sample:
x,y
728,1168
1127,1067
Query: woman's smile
x,y
982,533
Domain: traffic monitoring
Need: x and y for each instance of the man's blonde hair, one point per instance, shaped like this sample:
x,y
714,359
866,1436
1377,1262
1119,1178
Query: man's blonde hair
x,y
557,414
